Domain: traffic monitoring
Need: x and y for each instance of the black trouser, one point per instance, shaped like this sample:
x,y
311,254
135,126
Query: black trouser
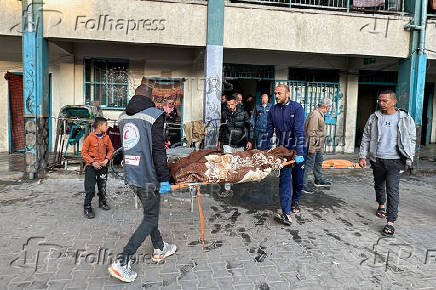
x,y
93,176
150,200
387,184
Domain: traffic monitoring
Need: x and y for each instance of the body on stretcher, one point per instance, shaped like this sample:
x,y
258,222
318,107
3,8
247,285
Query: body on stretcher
x,y
193,187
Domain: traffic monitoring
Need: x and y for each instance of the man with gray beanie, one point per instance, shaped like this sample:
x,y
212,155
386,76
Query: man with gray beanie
x,y
315,131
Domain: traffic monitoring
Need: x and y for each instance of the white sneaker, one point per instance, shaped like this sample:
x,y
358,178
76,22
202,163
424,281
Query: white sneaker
x,y
123,273
168,250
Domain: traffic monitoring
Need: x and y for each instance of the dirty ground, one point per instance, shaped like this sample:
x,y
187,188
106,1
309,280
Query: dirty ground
x,y
335,242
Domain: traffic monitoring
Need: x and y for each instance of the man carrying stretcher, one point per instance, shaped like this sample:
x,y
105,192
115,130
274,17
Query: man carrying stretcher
x,y
145,164
287,120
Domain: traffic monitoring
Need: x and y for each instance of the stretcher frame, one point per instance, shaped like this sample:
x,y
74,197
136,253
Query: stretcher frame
x,y
194,189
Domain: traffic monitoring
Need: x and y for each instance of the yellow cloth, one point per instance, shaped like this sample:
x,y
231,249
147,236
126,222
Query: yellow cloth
x,y
339,163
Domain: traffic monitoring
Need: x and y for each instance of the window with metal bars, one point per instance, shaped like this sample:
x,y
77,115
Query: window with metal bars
x,y
107,82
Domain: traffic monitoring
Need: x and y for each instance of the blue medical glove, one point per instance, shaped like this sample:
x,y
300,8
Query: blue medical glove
x,y
299,159
165,187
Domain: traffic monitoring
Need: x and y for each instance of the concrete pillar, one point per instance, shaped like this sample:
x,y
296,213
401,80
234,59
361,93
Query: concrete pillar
x,y
213,70
350,83
412,71
36,85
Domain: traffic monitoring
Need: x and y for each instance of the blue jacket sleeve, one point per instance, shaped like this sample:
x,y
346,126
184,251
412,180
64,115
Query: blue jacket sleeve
x,y
299,131
266,139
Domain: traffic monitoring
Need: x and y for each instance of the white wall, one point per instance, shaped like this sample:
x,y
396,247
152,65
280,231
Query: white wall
x,y
430,39
245,26
175,23
10,17
6,66
432,79
66,67
167,62
10,61
315,31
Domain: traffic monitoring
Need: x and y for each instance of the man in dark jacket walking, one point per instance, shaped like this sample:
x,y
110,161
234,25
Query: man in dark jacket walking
x,y
145,164
234,135
287,120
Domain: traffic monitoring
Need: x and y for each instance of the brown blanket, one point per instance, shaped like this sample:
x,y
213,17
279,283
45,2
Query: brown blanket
x,y
216,167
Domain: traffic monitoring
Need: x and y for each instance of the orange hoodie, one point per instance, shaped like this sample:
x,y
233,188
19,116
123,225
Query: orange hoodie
x,y
97,149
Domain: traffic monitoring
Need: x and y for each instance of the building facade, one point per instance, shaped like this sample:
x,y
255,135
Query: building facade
x,y
99,51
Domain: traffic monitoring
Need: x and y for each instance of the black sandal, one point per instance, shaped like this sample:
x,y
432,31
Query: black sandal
x,y
388,230
295,208
282,218
381,212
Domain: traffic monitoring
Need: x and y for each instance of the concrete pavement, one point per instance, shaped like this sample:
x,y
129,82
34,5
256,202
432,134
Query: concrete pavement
x,y
335,243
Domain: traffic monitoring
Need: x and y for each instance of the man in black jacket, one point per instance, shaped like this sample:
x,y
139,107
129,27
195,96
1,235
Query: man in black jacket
x,y
234,132
145,165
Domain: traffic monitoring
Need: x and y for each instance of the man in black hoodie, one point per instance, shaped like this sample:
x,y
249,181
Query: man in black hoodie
x,y
145,165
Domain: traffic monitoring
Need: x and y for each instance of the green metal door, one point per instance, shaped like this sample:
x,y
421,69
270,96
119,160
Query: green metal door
x,y
308,94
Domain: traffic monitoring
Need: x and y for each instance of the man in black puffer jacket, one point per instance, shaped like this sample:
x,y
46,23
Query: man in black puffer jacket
x,y
234,132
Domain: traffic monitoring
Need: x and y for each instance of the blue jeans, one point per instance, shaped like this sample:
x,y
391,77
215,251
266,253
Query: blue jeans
x,y
259,136
314,163
291,184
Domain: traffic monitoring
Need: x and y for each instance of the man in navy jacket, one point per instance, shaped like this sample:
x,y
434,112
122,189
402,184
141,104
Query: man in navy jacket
x,y
287,120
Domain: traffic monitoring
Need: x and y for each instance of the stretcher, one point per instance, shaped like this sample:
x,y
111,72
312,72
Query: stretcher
x,y
194,189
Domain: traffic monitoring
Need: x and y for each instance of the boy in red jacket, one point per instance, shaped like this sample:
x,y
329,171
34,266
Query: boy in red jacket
x,y
97,151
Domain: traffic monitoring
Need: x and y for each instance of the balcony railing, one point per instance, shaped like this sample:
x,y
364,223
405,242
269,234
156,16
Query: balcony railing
x,y
387,6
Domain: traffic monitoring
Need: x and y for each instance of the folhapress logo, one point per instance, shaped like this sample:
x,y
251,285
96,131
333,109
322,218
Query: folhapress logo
x,y
36,253
107,23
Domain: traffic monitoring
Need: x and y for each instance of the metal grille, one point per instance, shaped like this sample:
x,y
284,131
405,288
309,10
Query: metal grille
x,y
107,82
377,5
308,94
